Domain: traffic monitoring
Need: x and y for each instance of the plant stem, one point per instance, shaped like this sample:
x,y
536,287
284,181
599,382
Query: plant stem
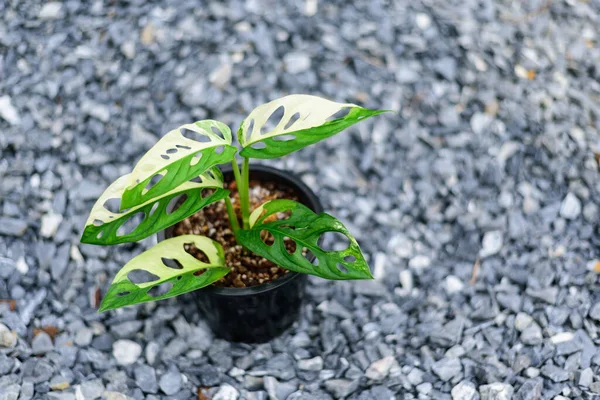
x,y
241,179
246,203
233,220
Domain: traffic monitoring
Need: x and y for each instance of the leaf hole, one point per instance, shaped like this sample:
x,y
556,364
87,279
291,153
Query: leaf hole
x,y
180,146
288,227
310,257
171,263
99,235
342,113
123,294
176,202
160,290
206,192
284,138
292,120
350,259
195,252
290,245
195,135
153,209
196,158
199,272
131,224
113,205
259,145
139,276
217,132
273,121
334,241
164,156
179,277
219,149
342,268
249,131
267,237
172,151
154,180
97,222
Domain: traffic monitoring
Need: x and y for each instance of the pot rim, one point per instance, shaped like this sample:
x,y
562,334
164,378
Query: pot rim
x,y
313,203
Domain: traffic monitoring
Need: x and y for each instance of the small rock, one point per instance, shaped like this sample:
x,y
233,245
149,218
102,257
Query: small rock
x,y
297,62
340,388
423,21
8,112
530,389
50,11
170,383
145,378
90,390
548,294
379,370
532,335
425,388
83,336
415,376
7,267
12,226
126,352
496,391
226,392
312,364
586,377
50,224
419,262
555,373
221,76
595,312
7,337
465,390
570,207
491,243
480,122
41,343
128,49
447,368
522,321
453,284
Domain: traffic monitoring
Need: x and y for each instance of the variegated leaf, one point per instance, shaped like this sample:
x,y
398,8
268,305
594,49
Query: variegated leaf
x,y
112,227
175,159
306,120
303,227
167,263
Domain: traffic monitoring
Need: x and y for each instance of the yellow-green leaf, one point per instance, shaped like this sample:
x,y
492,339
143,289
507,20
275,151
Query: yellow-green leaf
x,y
166,264
112,227
303,227
305,120
175,159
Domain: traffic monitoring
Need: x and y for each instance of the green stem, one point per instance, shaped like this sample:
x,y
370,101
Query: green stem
x,y
246,203
233,220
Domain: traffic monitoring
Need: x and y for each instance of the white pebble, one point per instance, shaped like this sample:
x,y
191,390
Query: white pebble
x,y
126,352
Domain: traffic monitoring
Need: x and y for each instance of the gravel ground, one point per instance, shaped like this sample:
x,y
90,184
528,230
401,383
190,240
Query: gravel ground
x,y
477,203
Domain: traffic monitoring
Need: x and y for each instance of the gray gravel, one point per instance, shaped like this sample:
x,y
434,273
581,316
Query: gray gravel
x,y
477,203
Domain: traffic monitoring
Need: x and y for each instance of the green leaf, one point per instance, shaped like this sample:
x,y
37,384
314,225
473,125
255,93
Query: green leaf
x,y
124,292
102,226
305,228
176,159
306,120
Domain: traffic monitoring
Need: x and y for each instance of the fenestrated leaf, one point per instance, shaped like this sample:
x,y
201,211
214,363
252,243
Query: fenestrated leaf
x,y
306,120
102,226
176,159
304,227
192,274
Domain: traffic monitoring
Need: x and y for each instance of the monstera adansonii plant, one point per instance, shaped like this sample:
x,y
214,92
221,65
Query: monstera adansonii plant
x,y
184,162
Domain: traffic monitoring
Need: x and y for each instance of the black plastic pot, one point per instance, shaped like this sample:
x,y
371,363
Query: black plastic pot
x,y
259,313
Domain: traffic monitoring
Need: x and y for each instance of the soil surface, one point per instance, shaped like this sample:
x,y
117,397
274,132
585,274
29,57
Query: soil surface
x,y
248,269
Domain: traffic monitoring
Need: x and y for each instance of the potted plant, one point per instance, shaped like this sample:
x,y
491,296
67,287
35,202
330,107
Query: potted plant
x,y
245,236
